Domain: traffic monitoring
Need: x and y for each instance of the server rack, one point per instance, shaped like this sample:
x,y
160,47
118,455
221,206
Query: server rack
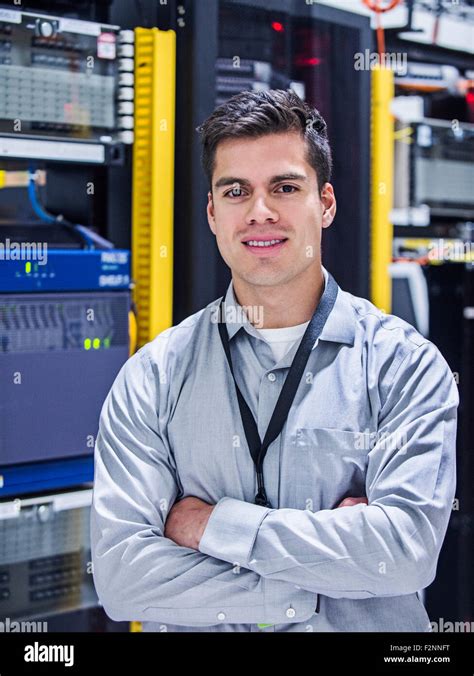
x,y
213,30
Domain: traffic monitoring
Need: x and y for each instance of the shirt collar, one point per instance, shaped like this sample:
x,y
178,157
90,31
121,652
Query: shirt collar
x,y
339,326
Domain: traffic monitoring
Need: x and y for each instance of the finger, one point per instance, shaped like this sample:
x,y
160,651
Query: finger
x,y
350,502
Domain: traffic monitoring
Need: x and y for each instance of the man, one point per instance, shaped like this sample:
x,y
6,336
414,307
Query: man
x,y
355,493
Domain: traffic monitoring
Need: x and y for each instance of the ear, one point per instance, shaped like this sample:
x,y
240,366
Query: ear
x,y
328,200
210,213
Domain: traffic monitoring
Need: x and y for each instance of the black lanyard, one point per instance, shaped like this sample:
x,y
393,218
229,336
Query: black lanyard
x,y
258,449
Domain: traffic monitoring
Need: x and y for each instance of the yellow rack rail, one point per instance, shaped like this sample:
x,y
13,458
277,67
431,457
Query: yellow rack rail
x,y
382,152
153,180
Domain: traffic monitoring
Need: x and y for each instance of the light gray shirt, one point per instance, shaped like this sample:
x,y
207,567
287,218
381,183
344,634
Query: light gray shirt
x,y
374,415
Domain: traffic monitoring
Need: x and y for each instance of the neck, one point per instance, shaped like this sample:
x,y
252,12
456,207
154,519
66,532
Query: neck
x,y
281,306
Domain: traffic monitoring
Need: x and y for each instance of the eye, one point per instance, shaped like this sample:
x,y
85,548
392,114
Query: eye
x,y
288,186
231,193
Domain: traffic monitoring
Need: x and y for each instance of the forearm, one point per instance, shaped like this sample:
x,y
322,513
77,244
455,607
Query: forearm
x,y
356,552
146,577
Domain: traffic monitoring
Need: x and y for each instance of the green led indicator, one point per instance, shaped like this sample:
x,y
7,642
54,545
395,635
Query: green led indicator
x,y
87,343
28,266
106,342
96,343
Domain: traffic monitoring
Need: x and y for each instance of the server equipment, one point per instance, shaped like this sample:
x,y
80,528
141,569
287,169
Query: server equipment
x,y
67,88
63,337
45,558
434,172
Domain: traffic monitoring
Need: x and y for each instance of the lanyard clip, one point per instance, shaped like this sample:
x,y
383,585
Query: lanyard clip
x,y
261,499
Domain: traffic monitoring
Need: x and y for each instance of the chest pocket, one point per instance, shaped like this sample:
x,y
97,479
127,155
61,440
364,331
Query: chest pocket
x,y
330,465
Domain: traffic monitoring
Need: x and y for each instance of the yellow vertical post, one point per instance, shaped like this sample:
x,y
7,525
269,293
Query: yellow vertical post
x,y
153,180
153,185
382,153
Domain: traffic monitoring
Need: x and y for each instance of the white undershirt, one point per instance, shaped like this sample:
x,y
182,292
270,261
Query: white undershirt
x,y
282,340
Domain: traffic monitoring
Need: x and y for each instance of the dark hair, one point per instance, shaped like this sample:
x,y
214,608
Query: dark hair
x,y
255,114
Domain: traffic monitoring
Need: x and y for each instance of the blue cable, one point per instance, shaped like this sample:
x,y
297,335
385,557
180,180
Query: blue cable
x,y
37,208
91,238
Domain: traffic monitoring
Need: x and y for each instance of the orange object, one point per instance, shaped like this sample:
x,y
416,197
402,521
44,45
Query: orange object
x,y
379,7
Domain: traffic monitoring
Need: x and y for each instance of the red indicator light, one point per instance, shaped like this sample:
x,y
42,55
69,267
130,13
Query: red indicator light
x,y
307,61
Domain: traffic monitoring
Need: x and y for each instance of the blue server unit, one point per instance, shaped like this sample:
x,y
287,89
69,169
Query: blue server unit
x,y
62,269
63,338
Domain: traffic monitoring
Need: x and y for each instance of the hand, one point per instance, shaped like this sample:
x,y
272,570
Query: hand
x,y
187,520
350,502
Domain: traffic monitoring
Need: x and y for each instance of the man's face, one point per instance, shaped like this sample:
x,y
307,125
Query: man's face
x,y
264,189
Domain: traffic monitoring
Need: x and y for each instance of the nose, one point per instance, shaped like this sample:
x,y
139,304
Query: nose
x,y
260,211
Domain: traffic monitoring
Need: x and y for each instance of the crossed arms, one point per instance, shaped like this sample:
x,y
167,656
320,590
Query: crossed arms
x,y
155,559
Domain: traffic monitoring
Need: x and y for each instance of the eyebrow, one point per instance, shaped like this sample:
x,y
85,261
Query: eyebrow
x,y
230,180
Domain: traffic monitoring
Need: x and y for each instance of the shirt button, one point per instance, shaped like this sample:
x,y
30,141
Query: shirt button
x,y
291,612
221,616
272,377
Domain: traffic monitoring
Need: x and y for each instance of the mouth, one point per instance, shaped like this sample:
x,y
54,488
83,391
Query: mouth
x,y
263,247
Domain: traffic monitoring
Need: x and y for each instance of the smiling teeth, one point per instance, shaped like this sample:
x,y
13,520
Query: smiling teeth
x,y
254,242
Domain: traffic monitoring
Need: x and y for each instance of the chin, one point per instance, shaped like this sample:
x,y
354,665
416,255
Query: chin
x,y
265,279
